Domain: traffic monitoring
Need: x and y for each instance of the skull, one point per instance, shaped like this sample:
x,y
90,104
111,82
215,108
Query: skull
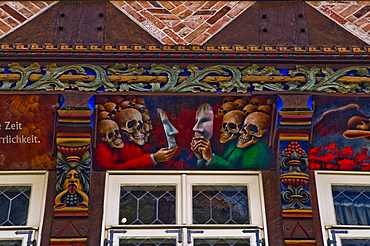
x,y
147,126
141,108
112,108
249,109
101,100
231,125
104,115
100,108
228,99
255,125
226,107
256,101
127,104
270,102
141,101
117,99
130,98
109,133
240,103
130,122
265,109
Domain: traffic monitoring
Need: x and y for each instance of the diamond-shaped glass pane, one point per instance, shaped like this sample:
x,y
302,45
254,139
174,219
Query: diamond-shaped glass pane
x,y
147,205
220,205
14,201
356,242
10,242
351,204
221,241
148,241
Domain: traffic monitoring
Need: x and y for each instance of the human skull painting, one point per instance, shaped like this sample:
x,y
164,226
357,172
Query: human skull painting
x,y
226,107
255,125
110,134
130,122
231,124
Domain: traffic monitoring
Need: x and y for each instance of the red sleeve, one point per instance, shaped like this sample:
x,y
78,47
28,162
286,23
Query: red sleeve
x,y
129,157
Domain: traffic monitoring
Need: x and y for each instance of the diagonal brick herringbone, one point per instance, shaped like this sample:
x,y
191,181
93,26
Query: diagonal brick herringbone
x,y
13,14
354,16
182,22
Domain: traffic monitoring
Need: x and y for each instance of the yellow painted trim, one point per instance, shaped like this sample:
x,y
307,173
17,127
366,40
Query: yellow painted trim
x,y
74,120
74,111
55,240
296,112
299,241
67,140
295,123
71,209
294,138
298,211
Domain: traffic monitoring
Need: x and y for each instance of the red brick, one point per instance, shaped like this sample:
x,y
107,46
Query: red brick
x,y
197,32
220,24
362,11
196,5
133,13
39,4
25,12
201,39
135,5
153,19
11,22
351,18
205,12
193,24
220,5
184,32
49,2
350,10
167,17
179,9
335,16
167,4
168,41
315,3
4,27
238,9
339,7
209,5
30,7
13,13
174,36
219,15
3,15
158,11
361,22
172,23
178,27
366,28
145,4
185,14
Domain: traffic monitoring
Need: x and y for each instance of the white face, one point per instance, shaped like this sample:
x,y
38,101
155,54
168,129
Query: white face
x,y
204,122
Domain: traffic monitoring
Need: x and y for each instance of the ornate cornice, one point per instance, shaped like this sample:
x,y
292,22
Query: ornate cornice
x,y
164,78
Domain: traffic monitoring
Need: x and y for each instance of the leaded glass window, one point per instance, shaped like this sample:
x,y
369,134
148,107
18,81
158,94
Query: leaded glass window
x,y
220,205
10,243
221,242
147,242
351,204
355,242
14,201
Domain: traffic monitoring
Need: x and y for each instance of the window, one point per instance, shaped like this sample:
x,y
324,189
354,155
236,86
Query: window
x,y
344,204
22,199
184,208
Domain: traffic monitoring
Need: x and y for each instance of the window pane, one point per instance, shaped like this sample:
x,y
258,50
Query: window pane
x,y
352,204
147,205
14,201
220,205
218,241
148,241
355,242
10,242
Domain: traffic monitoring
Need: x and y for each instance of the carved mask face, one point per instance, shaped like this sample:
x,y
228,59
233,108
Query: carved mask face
x,y
109,133
169,129
231,124
255,125
72,182
130,122
204,121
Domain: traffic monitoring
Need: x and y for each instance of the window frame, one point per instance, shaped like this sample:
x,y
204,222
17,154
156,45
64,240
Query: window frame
x,y
36,208
324,180
184,180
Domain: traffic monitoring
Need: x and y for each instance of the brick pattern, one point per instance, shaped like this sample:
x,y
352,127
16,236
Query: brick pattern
x,y
13,14
354,16
182,22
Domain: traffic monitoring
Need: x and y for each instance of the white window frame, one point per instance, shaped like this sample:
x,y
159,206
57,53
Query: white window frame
x,y
184,180
38,182
324,181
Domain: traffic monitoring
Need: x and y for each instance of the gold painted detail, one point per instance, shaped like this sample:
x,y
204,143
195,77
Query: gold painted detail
x,y
163,78
294,175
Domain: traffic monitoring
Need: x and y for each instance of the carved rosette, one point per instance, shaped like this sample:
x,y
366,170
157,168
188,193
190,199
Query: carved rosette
x,y
293,162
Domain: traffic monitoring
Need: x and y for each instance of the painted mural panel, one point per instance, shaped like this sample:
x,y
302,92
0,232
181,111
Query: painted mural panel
x,y
27,124
341,134
183,132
